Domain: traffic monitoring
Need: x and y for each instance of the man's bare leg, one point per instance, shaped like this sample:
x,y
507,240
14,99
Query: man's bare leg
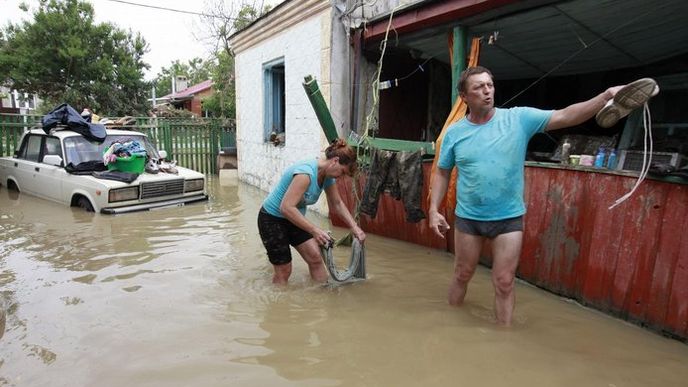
x,y
310,251
506,251
467,252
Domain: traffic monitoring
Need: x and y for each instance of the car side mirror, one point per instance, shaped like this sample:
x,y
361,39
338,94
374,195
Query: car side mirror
x,y
163,154
53,160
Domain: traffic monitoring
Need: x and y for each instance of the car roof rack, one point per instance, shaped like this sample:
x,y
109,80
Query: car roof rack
x,y
54,129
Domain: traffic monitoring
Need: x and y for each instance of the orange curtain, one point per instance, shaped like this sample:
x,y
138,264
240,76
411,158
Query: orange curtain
x,y
458,111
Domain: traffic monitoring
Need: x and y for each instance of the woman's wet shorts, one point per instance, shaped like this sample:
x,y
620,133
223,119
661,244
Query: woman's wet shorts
x,y
277,234
490,228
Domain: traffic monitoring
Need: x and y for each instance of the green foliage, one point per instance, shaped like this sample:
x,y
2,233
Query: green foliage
x,y
246,15
62,55
223,102
220,69
196,71
221,26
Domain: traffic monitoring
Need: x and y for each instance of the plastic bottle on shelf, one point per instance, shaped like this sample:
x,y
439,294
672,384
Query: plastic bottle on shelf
x,y
599,159
565,150
611,160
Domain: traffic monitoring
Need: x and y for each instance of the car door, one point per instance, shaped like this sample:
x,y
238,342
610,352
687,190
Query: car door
x,y
26,164
48,177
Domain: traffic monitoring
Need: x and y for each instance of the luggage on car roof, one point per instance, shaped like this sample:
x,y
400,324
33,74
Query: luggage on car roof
x,y
67,115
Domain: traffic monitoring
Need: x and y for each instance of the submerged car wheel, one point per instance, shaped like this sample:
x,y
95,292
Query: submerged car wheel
x,y
12,186
84,204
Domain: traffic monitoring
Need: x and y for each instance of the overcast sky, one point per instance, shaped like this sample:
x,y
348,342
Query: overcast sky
x,y
170,35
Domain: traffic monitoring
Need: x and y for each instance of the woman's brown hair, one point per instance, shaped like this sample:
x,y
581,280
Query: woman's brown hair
x,y
347,155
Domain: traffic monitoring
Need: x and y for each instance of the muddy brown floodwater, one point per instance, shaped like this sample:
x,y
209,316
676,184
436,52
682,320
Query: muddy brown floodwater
x,y
182,297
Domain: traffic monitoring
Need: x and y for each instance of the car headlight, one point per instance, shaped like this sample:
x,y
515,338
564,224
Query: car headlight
x,y
193,185
122,194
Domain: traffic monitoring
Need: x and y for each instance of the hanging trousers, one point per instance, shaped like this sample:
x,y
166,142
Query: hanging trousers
x,y
400,173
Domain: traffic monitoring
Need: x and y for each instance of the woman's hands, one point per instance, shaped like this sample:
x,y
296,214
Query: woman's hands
x,y
335,202
358,233
321,236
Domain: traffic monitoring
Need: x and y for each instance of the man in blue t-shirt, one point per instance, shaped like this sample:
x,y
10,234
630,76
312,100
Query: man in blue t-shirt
x,y
488,147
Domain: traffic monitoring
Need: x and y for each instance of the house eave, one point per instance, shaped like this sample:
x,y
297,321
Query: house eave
x,y
423,15
277,21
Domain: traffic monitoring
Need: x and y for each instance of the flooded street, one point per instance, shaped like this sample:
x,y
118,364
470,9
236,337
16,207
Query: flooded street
x,y
183,297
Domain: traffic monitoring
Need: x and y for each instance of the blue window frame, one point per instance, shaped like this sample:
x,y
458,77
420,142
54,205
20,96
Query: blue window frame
x,y
274,103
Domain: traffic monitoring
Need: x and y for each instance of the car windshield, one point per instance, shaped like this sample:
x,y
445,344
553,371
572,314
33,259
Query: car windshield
x,y
79,150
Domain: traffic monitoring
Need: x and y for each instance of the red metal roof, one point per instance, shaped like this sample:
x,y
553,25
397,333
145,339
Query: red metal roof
x,y
191,90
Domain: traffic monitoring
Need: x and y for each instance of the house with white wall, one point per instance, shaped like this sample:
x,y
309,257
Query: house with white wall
x,y
13,101
272,57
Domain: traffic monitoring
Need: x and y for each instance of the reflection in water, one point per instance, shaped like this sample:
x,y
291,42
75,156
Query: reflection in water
x,y
182,296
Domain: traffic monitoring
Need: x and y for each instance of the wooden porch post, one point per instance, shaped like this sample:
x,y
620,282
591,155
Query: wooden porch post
x,y
458,59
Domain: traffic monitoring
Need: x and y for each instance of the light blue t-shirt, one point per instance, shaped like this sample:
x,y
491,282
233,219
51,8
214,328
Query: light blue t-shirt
x,y
490,158
306,167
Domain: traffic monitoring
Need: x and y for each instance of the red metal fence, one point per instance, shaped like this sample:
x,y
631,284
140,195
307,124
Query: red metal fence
x,y
630,261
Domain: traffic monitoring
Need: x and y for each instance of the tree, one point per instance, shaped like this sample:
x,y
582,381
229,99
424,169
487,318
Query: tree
x,y
221,23
63,56
223,102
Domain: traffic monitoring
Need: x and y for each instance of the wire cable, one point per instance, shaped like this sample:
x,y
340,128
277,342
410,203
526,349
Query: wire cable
x,y
585,47
363,144
376,81
172,9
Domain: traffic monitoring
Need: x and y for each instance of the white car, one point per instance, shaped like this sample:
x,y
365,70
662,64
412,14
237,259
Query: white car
x,y
60,166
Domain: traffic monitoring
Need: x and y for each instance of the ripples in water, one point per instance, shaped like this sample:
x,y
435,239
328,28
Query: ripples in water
x,y
183,296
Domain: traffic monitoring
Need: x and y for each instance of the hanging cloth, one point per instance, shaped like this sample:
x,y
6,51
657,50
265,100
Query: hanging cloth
x,y
458,111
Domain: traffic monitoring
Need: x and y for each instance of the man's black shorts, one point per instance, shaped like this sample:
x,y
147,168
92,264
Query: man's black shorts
x,y
277,234
490,228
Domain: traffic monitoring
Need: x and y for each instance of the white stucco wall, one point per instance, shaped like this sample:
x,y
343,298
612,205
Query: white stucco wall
x,y
305,48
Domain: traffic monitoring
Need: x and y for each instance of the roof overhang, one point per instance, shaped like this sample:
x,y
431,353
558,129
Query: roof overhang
x,y
187,97
424,15
285,15
529,39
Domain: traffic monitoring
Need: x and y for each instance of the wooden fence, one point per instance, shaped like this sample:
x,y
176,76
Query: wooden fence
x,y
193,143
